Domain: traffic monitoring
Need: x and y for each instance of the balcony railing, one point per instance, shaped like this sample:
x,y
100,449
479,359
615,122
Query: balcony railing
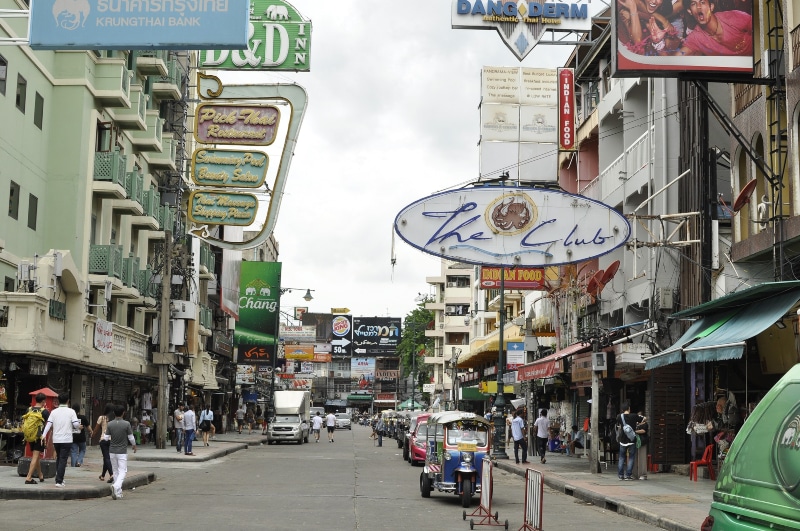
x,y
166,218
105,260
134,186
206,317
110,166
151,200
147,288
130,271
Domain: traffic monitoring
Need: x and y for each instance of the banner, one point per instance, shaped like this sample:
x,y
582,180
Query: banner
x,y
245,374
104,336
259,304
362,374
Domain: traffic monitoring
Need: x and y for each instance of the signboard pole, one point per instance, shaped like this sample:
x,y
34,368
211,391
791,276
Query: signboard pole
x,y
594,454
499,446
163,340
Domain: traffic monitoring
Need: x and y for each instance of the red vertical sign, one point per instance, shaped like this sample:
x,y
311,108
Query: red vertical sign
x,y
566,109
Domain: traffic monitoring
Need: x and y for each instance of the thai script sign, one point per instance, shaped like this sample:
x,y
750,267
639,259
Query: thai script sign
x,y
521,24
229,168
138,25
516,278
236,124
302,334
103,336
278,38
499,225
222,208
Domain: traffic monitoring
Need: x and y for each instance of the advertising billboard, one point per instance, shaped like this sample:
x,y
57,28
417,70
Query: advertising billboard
x,y
362,374
664,39
322,322
279,39
376,336
259,304
510,225
145,25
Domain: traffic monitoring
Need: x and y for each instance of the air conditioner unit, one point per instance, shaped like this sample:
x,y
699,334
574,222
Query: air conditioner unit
x,y
339,374
518,321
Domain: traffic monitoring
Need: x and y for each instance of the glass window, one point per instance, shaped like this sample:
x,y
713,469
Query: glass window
x,y
9,284
3,74
13,200
38,110
33,211
22,92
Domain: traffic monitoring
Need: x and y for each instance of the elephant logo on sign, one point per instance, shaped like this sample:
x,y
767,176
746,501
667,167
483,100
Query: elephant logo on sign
x,y
277,13
264,292
250,291
71,14
788,436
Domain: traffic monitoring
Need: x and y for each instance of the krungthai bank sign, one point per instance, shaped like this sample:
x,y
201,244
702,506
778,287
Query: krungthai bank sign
x,y
521,24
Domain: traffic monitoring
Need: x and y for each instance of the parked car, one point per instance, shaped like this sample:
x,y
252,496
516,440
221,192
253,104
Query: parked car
x,y
343,421
757,487
412,428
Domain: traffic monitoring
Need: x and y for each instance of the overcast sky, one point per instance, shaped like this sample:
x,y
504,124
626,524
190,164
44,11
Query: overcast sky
x,y
393,117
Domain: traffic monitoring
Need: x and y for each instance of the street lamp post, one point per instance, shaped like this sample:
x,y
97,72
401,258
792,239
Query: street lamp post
x,y
499,447
414,379
454,365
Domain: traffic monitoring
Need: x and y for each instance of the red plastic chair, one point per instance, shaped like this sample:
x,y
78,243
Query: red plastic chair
x,y
708,455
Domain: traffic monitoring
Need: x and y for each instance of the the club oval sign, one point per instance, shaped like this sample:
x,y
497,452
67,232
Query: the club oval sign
x,y
512,226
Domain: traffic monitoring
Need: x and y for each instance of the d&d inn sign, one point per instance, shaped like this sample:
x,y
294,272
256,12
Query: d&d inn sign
x,y
498,225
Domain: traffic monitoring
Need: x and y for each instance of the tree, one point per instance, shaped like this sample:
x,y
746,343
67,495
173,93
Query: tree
x,y
413,340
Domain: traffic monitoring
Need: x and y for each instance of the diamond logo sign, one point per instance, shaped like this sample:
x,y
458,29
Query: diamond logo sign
x,y
521,24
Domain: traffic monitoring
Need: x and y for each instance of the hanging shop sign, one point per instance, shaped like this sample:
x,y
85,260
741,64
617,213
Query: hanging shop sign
x,y
499,225
299,352
279,38
259,306
566,109
222,208
223,168
516,278
521,24
117,25
242,125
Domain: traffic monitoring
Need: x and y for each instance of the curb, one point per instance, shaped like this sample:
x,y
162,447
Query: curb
x,y
621,507
76,493
181,458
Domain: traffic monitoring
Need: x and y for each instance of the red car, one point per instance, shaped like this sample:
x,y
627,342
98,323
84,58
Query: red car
x,y
418,440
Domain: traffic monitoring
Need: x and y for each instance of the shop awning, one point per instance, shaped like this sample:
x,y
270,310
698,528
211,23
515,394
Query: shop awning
x,y
336,403
359,398
549,365
471,393
722,333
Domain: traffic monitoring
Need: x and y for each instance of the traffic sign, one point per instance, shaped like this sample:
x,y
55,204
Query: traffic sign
x,y
340,310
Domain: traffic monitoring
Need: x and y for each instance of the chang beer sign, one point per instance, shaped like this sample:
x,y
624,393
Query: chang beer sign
x,y
521,24
278,38
259,303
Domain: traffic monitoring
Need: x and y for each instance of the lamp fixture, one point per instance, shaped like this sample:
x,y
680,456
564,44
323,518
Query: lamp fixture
x,y
780,324
307,296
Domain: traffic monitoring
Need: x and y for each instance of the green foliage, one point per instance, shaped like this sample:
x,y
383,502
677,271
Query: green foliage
x,y
413,340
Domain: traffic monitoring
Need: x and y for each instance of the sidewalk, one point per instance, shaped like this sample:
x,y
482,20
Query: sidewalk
x,y
83,482
667,500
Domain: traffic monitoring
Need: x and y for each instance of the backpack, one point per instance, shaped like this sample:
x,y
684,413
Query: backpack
x,y
628,429
32,424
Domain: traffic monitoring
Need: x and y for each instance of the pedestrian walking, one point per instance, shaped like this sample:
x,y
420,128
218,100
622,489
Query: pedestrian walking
x,y
79,438
177,425
105,441
518,433
240,413
120,433
189,427
542,434
250,419
643,431
380,429
330,423
62,421
37,445
316,425
206,418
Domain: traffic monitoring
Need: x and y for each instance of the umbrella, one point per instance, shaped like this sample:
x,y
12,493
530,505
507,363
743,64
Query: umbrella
x,y
407,405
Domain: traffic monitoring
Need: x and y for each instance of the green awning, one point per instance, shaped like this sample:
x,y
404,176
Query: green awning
x,y
359,398
723,335
471,393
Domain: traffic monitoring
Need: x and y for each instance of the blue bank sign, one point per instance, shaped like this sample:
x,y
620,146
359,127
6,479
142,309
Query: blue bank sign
x,y
138,24
499,225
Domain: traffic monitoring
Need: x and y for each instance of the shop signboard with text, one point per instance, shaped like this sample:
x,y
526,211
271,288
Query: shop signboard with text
x,y
122,25
241,125
259,304
224,168
531,278
279,38
222,208
376,336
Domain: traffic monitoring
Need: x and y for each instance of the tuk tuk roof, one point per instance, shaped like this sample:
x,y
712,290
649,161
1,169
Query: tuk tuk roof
x,y
445,417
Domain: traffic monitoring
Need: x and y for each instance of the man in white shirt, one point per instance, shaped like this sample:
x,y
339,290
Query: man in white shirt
x,y
330,423
177,424
189,427
518,434
316,425
542,433
62,421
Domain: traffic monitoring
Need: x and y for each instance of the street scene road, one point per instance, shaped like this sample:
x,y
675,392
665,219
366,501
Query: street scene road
x,y
349,484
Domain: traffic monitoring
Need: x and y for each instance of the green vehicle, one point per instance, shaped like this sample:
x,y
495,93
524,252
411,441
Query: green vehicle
x,y
759,485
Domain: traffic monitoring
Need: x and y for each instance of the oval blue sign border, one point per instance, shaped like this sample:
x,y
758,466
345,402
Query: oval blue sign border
x,y
510,225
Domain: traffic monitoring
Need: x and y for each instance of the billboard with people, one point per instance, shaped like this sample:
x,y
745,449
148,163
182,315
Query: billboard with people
x,y
669,37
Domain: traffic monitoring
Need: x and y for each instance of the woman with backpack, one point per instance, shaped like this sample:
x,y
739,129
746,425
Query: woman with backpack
x,y
105,441
36,414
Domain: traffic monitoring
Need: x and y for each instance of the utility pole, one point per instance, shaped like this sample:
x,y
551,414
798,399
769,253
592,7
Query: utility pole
x,y
594,449
414,379
164,358
499,446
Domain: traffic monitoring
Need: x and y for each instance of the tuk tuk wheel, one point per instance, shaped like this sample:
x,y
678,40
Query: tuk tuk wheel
x,y
472,524
424,485
506,524
464,515
466,493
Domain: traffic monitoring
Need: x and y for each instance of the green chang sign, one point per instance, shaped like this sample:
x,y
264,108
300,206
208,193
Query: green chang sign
x,y
228,168
222,208
259,302
278,39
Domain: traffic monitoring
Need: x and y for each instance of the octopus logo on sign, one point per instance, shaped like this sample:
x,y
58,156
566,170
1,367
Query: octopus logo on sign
x,y
511,214
71,14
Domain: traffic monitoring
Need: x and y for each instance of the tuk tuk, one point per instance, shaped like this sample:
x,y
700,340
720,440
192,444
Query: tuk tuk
x,y
457,443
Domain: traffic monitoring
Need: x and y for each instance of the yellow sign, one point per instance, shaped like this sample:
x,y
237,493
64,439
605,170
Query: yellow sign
x,y
222,208
340,310
467,447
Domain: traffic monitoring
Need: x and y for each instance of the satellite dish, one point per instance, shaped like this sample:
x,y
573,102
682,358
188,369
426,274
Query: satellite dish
x,y
594,283
609,274
744,195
